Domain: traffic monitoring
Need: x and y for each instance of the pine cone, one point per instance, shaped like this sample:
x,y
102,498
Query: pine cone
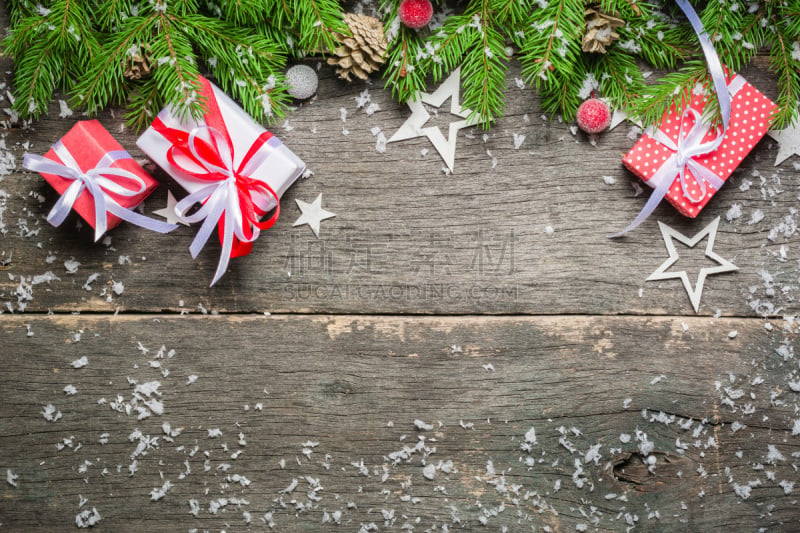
x,y
364,51
137,64
600,32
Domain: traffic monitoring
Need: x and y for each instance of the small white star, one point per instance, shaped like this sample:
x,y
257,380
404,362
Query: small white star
x,y
312,215
788,142
413,126
169,212
618,116
696,292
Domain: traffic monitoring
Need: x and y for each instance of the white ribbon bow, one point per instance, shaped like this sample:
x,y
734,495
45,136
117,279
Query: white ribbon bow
x,y
97,185
220,200
687,148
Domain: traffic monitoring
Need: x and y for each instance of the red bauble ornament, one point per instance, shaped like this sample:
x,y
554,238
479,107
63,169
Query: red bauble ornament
x,y
594,115
415,13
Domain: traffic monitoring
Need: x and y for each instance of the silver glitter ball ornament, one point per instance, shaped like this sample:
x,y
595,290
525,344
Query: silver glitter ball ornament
x,y
302,81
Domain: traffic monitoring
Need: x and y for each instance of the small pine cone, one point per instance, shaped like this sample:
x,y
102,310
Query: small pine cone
x,y
600,32
364,51
137,65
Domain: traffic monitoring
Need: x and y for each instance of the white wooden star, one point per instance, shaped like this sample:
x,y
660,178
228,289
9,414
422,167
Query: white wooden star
x,y
169,212
788,142
618,116
313,214
413,126
696,292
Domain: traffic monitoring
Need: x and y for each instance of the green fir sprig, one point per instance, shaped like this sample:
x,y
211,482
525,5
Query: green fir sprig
x,y
82,47
547,35
51,46
739,32
474,40
405,75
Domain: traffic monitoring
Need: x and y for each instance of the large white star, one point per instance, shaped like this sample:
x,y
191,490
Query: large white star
x,y
788,142
696,292
413,126
312,215
169,212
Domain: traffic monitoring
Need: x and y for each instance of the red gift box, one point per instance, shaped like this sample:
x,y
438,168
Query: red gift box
x,y
654,154
88,142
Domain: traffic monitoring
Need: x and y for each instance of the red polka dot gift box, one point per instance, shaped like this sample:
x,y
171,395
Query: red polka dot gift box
x,y
666,153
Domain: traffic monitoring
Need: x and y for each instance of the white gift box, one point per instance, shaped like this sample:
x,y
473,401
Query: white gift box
x,y
220,160
280,169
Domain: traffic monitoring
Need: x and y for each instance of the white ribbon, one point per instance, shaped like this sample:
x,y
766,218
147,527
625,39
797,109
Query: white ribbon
x,y
97,185
220,199
688,147
690,144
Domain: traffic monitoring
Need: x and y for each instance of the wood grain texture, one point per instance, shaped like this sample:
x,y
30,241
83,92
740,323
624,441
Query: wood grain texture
x,y
381,394
344,401
409,239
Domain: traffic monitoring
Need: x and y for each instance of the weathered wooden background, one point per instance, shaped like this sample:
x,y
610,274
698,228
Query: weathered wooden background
x,y
455,352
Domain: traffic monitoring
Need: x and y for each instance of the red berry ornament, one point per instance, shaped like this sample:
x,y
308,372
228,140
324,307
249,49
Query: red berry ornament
x,y
415,13
594,115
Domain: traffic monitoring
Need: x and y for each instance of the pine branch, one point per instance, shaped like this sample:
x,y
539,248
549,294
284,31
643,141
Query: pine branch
x,y
49,47
317,21
19,9
104,83
485,62
660,43
254,75
112,13
403,73
242,12
722,25
177,71
552,44
620,79
561,98
475,41
783,63
145,103
673,91
626,9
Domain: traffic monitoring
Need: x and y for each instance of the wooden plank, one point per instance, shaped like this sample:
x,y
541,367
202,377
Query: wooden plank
x,y
409,239
316,397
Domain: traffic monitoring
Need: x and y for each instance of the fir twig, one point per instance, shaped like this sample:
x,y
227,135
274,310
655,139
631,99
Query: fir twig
x,y
785,41
50,47
673,91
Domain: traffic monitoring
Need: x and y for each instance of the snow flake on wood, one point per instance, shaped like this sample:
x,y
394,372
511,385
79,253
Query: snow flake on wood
x,y
71,266
88,518
422,426
51,413
159,492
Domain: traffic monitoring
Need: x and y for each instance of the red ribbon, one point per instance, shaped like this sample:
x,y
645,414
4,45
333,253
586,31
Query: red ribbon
x,y
204,154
